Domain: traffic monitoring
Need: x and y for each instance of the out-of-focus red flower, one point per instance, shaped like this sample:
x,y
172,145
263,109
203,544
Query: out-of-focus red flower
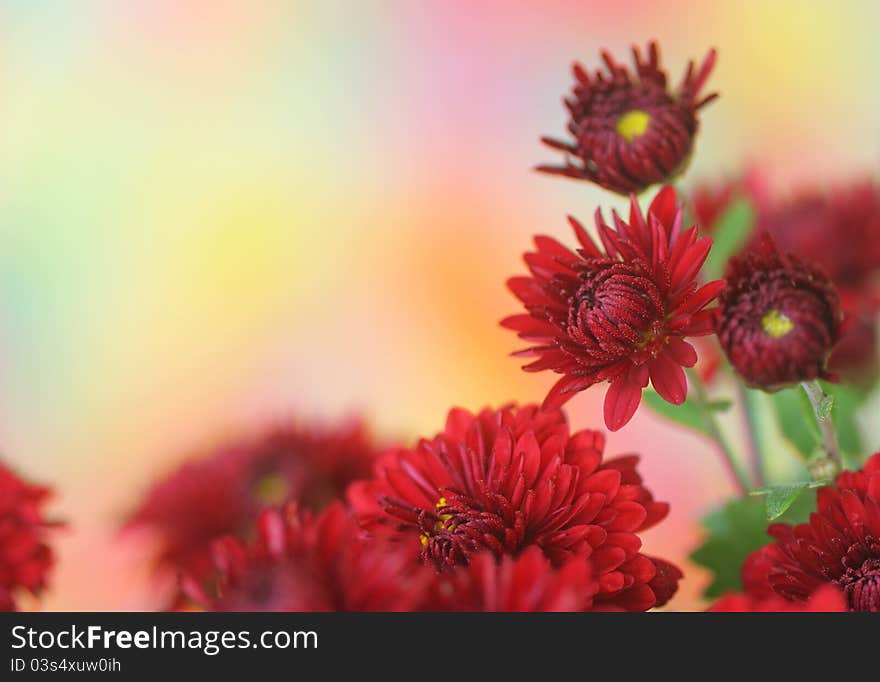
x,y
25,558
779,318
839,229
528,582
303,562
840,545
631,131
224,492
618,314
504,480
708,201
709,358
826,598
855,357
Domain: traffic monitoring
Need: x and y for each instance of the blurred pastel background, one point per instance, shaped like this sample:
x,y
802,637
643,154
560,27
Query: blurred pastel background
x,y
214,213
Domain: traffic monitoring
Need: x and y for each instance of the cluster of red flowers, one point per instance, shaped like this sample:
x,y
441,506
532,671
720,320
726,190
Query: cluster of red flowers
x,y
25,558
509,508
496,501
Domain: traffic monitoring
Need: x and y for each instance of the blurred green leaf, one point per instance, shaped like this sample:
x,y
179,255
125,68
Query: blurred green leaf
x,y
730,233
778,498
687,414
796,420
736,530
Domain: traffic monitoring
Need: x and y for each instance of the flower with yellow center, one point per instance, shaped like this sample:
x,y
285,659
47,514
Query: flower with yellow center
x,y
776,324
633,124
443,522
272,489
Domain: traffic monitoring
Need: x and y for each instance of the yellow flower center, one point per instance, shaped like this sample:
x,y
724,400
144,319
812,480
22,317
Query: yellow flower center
x,y
775,324
633,124
271,489
442,524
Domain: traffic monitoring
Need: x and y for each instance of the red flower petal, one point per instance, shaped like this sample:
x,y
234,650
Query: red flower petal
x,y
621,402
668,379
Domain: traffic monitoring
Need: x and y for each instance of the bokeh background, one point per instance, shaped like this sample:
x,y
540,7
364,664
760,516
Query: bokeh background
x,y
215,213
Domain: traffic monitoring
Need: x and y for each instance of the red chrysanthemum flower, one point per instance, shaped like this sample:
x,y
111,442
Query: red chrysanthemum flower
x,y
223,493
779,318
631,132
618,314
25,558
508,479
840,545
839,229
827,598
302,562
528,582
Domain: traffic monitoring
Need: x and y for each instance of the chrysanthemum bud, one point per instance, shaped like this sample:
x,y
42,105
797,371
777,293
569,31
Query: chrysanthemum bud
x,y
631,131
779,318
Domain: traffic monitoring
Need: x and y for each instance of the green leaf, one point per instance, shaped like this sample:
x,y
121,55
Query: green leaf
x,y
780,497
687,414
730,233
847,402
736,530
796,420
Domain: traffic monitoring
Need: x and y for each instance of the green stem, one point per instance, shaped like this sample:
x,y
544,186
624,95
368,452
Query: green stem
x,y
818,399
753,423
737,476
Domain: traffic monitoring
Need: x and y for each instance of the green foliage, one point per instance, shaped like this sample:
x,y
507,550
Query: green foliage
x,y
778,498
796,420
687,414
847,402
730,233
798,423
736,530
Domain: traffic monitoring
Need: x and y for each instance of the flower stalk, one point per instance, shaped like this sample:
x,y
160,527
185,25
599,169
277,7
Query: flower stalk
x,y
753,431
821,403
713,428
